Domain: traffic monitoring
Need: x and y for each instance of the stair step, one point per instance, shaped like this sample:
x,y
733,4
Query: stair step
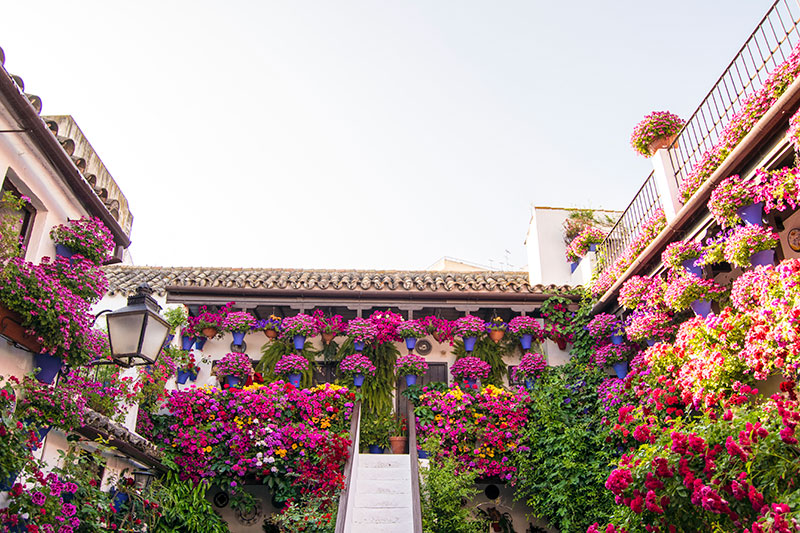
x,y
380,486
383,500
375,517
383,473
366,460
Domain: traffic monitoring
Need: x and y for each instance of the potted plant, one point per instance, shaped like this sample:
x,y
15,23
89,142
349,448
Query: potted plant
x,y
440,328
234,368
689,291
238,323
41,407
329,326
614,355
399,439
298,328
468,328
781,188
362,331
411,366
291,367
374,432
468,370
188,335
270,326
410,331
736,199
211,324
606,325
177,318
649,325
526,329
639,291
186,366
14,453
496,328
86,236
586,241
358,366
656,131
750,246
530,368
683,254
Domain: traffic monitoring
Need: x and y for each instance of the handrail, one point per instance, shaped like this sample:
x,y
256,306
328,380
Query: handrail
x,y
344,497
412,453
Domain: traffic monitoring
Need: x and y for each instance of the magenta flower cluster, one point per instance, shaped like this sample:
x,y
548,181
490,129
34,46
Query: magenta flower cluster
x,y
86,236
656,125
470,368
409,329
578,247
468,326
329,324
641,291
683,290
239,321
411,365
291,364
235,364
531,366
679,251
357,363
744,241
525,325
362,330
300,324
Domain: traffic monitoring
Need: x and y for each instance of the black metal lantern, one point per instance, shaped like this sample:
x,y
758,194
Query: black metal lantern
x,y
142,478
137,332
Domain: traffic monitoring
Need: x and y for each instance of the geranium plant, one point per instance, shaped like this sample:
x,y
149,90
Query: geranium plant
x,y
291,364
357,363
239,321
647,324
42,405
604,325
86,236
468,326
525,325
300,324
440,328
333,324
411,329
470,368
362,330
211,323
731,194
781,188
235,364
531,366
640,291
656,125
609,354
683,290
581,244
678,252
411,365
745,241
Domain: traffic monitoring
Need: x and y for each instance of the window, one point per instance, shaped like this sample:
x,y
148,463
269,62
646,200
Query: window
x,y
20,220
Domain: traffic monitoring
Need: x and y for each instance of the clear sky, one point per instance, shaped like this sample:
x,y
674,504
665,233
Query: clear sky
x,y
365,134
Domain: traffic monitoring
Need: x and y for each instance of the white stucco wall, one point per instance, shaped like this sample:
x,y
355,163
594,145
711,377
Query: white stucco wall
x,y
546,249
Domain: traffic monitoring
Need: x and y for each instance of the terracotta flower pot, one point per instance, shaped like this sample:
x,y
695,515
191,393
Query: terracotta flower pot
x,y
496,335
11,327
661,142
271,333
438,337
398,444
327,338
210,332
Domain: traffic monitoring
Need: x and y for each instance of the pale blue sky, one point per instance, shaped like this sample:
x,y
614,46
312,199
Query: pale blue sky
x,y
365,134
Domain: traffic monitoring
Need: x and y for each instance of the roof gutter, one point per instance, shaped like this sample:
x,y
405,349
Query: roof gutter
x,y
51,148
789,100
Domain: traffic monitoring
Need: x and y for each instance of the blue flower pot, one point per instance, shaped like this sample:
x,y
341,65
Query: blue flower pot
x,y
358,379
359,345
593,247
701,308
238,338
48,367
751,214
170,337
617,339
187,342
763,258
119,499
573,266
471,383
651,342
199,342
526,341
299,341
410,343
422,454
294,379
692,269
469,343
411,379
233,381
192,376
621,369
529,383
64,251
183,376
7,483
374,448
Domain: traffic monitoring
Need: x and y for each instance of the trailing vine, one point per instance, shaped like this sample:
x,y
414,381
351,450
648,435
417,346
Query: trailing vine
x,y
489,351
273,351
378,390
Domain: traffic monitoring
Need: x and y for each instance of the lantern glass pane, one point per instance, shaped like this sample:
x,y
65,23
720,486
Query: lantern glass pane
x,y
154,337
124,332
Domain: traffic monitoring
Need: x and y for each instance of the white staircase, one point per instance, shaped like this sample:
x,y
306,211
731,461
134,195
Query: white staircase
x,y
383,495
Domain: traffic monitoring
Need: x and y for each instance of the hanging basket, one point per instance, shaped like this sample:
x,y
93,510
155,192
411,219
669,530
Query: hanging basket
x,y
271,333
327,338
210,332
497,335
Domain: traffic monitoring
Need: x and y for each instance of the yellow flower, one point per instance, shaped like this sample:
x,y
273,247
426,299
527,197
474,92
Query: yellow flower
x,y
207,449
281,452
294,446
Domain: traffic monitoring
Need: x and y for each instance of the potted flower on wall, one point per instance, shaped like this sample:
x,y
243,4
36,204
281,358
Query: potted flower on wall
x,y
177,318
86,236
329,327
656,131
238,323
751,246
689,291
41,407
736,199
410,331
614,355
211,324
271,326
234,369
639,291
399,439
683,255
411,366
298,328
526,329
586,241
468,370
291,367
496,328
650,326
362,331
188,335
440,328
530,368
358,366
605,325
468,328
186,366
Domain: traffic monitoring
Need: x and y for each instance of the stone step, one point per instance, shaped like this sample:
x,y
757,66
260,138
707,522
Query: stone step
x,y
367,460
381,486
383,473
382,500
375,520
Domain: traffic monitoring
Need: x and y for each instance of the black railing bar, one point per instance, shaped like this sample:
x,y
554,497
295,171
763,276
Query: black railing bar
x,y
780,18
778,40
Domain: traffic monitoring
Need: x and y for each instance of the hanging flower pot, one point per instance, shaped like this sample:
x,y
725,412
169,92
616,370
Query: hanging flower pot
x,y
660,143
327,338
199,342
233,381
763,258
170,337
398,445
183,376
294,379
529,383
193,375
411,379
64,251
496,335
573,266
526,341
358,379
270,333
374,448
469,343
411,342
48,366
617,339
238,337
299,341
210,332
471,383
41,431
422,454
621,369
752,213
692,269
187,342
651,342
701,308
359,345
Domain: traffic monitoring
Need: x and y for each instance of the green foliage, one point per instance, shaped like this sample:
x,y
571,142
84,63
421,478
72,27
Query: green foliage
x,y
184,508
442,493
176,317
564,460
311,515
375,429
491,352
378,389
11,217
330,352
273,351
582,342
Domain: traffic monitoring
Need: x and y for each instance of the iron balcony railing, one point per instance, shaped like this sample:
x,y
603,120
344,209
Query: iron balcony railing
x,y
770,44
645,203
